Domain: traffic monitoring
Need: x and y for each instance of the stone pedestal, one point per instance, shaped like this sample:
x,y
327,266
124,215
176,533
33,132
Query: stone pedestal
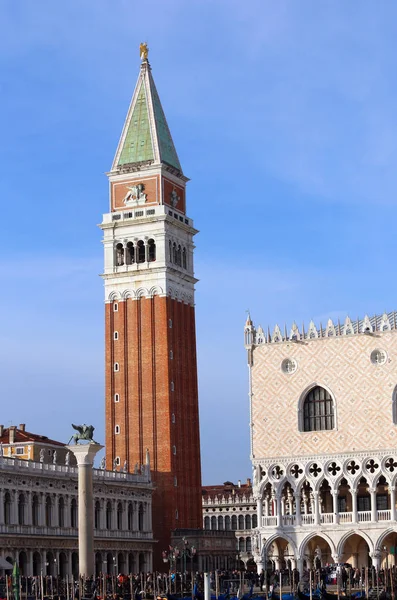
x,y
85,454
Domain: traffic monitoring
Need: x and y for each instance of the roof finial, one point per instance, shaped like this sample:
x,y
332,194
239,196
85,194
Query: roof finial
x,y
143,51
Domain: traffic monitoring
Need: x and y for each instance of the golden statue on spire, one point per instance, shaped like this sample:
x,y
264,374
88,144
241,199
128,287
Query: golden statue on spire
x,y
143,51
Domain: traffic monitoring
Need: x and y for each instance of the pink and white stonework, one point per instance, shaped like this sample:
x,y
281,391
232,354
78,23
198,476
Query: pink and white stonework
x,y
323,441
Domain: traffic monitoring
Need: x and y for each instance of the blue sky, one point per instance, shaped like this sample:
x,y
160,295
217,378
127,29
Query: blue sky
x,y
284,117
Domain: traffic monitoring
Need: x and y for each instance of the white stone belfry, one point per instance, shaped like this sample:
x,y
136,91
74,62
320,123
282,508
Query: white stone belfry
x,y
85,454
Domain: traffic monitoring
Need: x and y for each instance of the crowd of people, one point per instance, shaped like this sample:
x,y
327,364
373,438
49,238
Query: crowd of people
x,y
160,585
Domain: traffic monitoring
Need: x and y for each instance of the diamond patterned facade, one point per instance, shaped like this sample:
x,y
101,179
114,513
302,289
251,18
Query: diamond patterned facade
x,y
327,494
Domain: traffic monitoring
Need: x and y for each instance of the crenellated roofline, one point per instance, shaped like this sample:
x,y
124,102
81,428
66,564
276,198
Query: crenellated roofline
x,y
365,326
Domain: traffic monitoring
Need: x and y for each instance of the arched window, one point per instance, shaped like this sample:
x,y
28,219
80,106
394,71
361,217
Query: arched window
x,y
254,521
73,513
174,254
213,523
130,254
21,509
184,261
220,522
61,512
141,252
248,544
234,522
7,508
119,516
151,250
119,255
130,517
170,250
48,511
248,521
241,545
207,523
35,510
318,410
227,523
179,256
108,515
97,515
241,521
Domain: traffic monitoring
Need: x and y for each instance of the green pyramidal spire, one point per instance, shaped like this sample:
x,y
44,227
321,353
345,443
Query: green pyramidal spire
x,y
146,137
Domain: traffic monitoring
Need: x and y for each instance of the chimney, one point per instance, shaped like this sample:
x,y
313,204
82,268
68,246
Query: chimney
x,y
249,482
1,430
239,483
22,427
11,430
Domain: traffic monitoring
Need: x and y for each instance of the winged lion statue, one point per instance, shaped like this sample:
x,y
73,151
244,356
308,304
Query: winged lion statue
x,y
85,432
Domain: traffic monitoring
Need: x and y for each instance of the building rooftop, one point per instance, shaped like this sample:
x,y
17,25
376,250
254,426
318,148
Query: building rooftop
x,y
366,326
227,488
19,435
146,137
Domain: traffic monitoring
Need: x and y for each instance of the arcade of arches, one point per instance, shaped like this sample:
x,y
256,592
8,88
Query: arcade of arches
x,y
318,550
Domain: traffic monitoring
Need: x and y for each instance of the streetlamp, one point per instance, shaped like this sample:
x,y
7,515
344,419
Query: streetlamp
x,y
171,556
186,552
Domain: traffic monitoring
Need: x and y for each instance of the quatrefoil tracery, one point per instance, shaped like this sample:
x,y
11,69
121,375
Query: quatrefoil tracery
x,y
277,472
371,466
296,471
391,464
353,467
315,470
333,468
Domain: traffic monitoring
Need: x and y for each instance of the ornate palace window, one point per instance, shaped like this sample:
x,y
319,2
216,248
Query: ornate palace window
x,y
318,410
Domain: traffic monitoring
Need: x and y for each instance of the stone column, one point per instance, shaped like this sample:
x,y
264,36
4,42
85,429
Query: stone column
x,y
335,506
392,503
298,517
29,555
278,510
149,508
266,507
135,516
125,516
316,511
259,510
85,454
299,565
55,515
1,507
67,511
354,505
14,507
375,559
41,509
374,512
28,508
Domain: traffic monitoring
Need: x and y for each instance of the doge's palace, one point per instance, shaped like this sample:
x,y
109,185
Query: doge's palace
x,y
323,420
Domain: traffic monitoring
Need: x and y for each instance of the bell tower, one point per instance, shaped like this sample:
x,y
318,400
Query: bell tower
x,y
151,367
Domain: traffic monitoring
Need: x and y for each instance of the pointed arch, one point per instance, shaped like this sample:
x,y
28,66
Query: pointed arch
x,y
378,545
345,537
308,419
273,538
314,534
